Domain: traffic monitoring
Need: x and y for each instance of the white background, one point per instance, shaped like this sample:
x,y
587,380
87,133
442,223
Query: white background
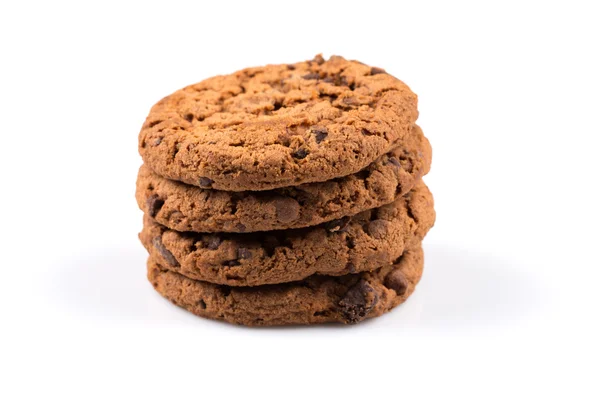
x,y
508,305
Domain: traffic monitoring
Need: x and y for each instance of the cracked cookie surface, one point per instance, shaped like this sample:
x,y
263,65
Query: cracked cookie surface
x,y
348,245
185,207
277,126
347,299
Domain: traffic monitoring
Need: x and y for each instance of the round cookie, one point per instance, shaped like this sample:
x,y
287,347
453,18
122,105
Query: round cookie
x,y
349,245
348,299
279,125
184,207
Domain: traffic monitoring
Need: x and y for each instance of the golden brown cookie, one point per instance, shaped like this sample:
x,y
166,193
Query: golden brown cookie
x,y
363,242
278,126
348,299
185,207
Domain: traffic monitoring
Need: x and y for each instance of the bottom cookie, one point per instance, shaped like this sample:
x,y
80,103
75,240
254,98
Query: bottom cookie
x,y
348,299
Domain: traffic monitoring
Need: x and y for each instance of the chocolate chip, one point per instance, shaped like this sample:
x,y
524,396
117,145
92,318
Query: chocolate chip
x,y
318,59
311,75
206,182
320,133
240,227
243,253
351,267
378,228
154,204
202,304
351,101
189,117
287,209
366,132
164,252
338,225
396,281
291,67
358,302
376,70
394,161
337,80
300,153
213,242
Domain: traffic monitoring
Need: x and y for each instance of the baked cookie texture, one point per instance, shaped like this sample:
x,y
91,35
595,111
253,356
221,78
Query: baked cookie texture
x,y
347,299
286,194
364,242
278,126
185,207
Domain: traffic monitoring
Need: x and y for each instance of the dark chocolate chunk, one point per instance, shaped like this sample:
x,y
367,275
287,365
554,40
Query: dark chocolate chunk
x,y
300,153
164,252
205,182
213,242
396,281
351,101
375,71
318,59
311,75
358,302
320,133
337,80
154,204
394,161
287,209
243,253
351,267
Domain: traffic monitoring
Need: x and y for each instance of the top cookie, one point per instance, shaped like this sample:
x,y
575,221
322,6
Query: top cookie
x,y
280,125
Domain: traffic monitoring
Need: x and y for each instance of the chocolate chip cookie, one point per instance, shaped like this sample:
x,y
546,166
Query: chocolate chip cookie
x,y
363,242
348,299
278,126
185,207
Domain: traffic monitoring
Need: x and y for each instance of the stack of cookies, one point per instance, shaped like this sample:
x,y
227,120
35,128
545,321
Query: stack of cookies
x,y
286,194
